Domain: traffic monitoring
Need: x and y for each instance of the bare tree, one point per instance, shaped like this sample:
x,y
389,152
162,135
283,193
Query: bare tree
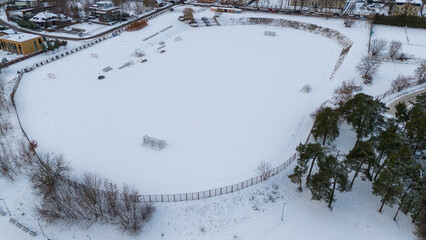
x,y
139,8
420,73
264,168
377,46
345,92
395,48
47,172
149,3
90,195
26,152
188,14
5,125
132,212
401,83
367,68
3,98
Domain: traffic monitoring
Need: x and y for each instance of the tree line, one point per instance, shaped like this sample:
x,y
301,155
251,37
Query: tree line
x,y
388,152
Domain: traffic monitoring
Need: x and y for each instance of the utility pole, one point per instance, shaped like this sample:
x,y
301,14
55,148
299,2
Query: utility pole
x,y
6,206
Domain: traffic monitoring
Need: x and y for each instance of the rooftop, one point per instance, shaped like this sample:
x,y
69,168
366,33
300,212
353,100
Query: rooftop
x,y
416,2
20,37
45,16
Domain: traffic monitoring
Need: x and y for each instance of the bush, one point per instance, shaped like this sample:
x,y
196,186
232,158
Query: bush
x,y
27,24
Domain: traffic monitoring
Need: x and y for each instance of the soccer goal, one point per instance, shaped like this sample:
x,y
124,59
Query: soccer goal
x,y
153,143
51,75
269,33
94,55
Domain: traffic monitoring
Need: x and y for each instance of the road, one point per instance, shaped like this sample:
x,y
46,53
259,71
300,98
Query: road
x,y
406,99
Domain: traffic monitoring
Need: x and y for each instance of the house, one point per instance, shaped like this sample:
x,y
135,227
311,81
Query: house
x,y
21,43
234,2
105,11
330,4
7,32
25,3
406,7
49,19
207,1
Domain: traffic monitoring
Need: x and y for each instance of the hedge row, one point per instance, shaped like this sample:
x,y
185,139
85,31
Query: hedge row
x,y
401,20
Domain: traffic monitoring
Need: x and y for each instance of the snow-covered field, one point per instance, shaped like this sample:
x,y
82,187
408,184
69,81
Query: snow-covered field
x,y
253,213
222,97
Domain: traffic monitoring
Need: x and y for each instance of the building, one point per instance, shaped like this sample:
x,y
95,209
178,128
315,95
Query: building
x,y
21,43
105,11
234,2
206,1
49,19
7,32
317,4
25,3
406,7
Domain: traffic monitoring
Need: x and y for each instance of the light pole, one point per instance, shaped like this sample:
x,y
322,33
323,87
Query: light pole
x,y
6,206
282,214
41,228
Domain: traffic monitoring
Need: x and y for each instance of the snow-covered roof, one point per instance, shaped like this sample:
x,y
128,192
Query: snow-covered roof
x,y
20,37
9,31
416,2
45,16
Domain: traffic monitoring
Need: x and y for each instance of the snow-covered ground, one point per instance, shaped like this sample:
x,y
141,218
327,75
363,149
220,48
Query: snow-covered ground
x,y
255,212
222,109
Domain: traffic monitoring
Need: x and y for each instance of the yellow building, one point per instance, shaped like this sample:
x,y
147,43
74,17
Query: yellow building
x,y
331,4
22,43
407,7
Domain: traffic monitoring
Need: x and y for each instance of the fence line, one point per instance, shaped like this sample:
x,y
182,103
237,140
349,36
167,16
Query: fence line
x,y
221,190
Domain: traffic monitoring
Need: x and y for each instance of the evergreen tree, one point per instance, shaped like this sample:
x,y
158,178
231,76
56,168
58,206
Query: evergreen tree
x,y
388,185
416,125
401,113
388,142
411,179
313,151
360,159
326,125
43,47
306,152
364,114
331,176
56,44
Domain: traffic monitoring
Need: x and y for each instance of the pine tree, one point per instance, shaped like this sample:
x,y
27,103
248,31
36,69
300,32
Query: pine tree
x,y
364,114
326,125
313,151
408,170
43,47
388,142
388,185
306,152
416,125
401,113
360,159
332,175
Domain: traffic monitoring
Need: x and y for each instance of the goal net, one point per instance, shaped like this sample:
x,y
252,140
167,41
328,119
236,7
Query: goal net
x,y
269,33
153,143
